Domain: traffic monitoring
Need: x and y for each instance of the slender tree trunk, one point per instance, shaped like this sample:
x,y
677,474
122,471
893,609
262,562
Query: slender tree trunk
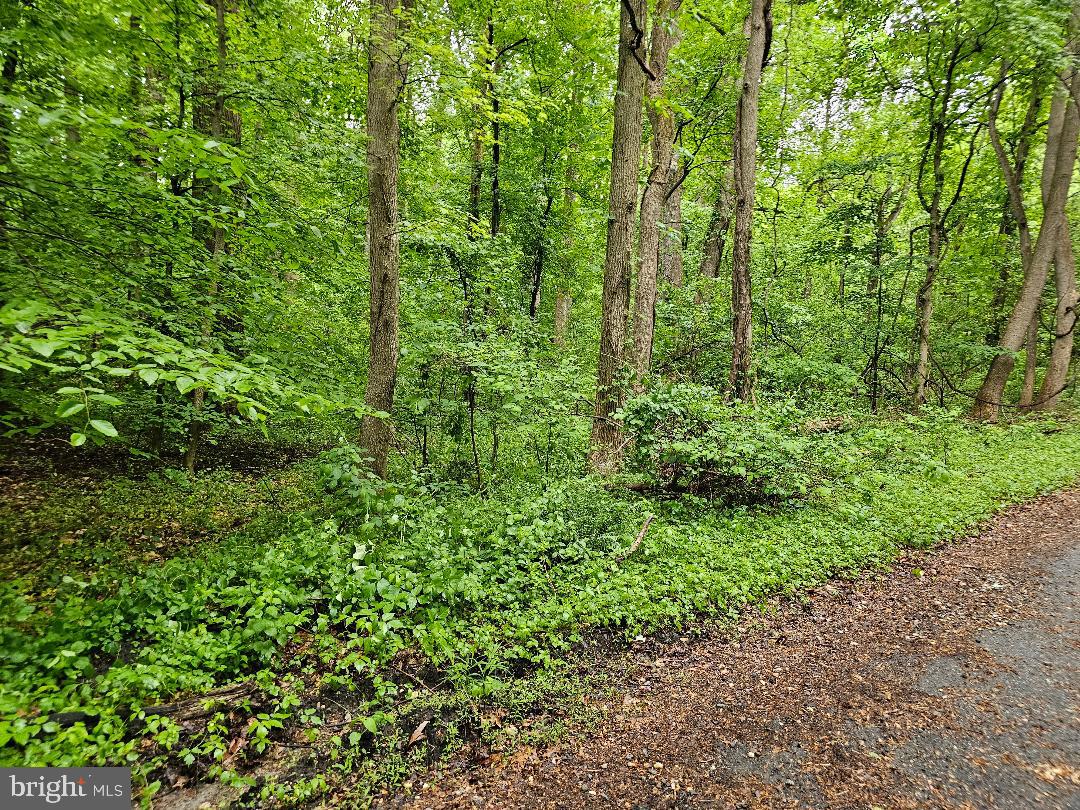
x,y
1058,164
496,143
672,240
883,222
605,453
386,76
476,177
563,299
938,213
1007,231
745,174
210,117
712,252
7,80
665,36
536,277
924,306
563,304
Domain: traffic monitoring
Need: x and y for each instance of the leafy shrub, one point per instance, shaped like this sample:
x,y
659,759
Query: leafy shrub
x,y
688,439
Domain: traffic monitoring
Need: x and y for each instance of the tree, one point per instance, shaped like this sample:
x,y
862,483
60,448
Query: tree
x,y
1068,297
665,36
1059,161
719,225
758,27
387,71
622,202
951,44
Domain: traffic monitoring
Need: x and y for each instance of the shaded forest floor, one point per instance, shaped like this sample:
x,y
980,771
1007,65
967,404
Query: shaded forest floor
x,y
951,680
275,632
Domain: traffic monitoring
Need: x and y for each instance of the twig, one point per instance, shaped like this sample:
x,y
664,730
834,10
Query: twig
x,y
637,542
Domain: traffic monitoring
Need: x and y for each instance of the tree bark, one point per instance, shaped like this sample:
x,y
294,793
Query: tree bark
x,y
7,79
745,174
386,75
1031,358
563,303
1065,317
712,251
941,121
210,117
665,36
604,455
496,145
672,240
563,298
535,279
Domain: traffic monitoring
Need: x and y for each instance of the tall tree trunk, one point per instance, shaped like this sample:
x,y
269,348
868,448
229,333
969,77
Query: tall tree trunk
x,y
210,117
924,304
563,303
884,217
665,36
1065,317
604,455
386,76
1007,231
536,276
938,210
1013,194
496,144
563,299
7,80
1058,164
712,251
758,25
476,177
672,240
1031,359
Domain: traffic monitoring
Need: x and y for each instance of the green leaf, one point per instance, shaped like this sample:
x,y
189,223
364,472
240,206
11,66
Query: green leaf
x,y
108,399
371,725
103,427
184,384
148,375
78,439
69,408
44,347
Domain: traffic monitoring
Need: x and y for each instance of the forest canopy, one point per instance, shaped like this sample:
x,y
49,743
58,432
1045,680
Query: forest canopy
x,y
851,204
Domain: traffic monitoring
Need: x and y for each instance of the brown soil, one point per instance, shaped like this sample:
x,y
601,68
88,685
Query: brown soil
x,y
951,681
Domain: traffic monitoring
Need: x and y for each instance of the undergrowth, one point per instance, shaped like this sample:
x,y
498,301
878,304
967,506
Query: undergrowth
x,y
418,607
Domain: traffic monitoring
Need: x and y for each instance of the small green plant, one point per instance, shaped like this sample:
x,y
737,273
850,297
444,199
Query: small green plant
x,y
687,439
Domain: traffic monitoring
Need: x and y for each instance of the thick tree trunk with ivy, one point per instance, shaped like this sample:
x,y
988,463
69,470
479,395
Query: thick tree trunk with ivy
x,y
758,27
386,76
1058,164
665,36
604,453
